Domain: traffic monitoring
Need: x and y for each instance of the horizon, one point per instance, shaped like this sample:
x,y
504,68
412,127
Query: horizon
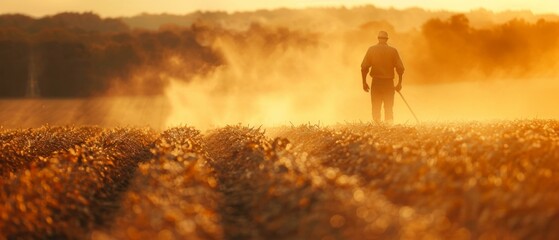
x,y
106,8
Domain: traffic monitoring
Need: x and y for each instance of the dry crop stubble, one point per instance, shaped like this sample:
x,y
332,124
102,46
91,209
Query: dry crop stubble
x,y
20,148
65,194
172,195
351,181
488,179
270,191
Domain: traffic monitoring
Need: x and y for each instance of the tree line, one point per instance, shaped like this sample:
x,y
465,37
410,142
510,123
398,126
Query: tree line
x,y
81,55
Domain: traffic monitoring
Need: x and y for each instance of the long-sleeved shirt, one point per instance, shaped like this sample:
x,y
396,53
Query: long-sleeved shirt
x,y
382,59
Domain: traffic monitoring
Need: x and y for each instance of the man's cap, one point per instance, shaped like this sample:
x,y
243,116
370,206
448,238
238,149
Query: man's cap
x,y
383,35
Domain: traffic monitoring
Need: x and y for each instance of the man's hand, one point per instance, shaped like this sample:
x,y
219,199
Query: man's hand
x,y
365,87
398,87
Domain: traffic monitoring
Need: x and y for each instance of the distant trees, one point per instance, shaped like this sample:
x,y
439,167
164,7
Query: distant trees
x,y
515,48
76,22
79,55
14,58
67,69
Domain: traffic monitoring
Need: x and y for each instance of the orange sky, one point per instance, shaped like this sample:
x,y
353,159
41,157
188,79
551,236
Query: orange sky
x,y
127,8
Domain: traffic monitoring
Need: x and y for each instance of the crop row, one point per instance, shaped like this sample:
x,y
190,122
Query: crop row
x,y
360,181
66,194
271,191
172,195
490,180
19,148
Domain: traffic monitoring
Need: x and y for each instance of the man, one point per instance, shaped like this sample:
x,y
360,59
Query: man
x,y
382,59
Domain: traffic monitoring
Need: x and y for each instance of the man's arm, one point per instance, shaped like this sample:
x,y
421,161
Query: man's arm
x,y
365,65
364,72
400,70
399,85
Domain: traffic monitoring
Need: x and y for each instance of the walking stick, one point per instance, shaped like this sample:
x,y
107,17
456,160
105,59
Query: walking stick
x,y
408,106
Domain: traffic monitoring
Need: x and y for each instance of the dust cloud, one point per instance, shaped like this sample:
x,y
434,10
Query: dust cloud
x,y
279,76
503,99
272,77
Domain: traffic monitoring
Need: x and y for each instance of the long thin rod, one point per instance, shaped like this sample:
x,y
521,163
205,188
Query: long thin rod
x,y
416,119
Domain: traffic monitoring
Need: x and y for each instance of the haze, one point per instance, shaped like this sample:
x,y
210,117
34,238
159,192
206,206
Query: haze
x,y
126,8
274,67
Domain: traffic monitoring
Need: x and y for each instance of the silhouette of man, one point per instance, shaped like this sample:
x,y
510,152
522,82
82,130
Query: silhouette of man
x,y
382,59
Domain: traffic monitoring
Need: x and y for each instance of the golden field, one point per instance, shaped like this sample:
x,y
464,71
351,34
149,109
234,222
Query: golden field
x,y
471,180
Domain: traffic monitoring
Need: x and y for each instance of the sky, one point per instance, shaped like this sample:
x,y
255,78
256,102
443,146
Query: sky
x,y
111,8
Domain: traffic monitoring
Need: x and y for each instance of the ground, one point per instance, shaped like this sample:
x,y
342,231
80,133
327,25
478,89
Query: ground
x,y
490,180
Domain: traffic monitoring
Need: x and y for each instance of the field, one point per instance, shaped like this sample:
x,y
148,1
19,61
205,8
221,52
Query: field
x,y
490,180
102,111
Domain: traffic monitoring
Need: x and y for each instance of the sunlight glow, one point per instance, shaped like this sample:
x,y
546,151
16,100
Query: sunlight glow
x,y
125,8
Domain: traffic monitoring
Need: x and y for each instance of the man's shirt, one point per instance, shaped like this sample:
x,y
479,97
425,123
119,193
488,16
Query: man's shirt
x,y
382,59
